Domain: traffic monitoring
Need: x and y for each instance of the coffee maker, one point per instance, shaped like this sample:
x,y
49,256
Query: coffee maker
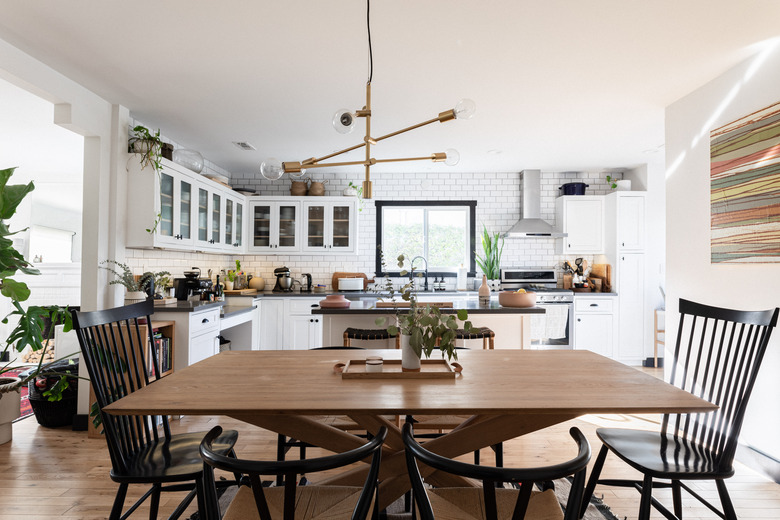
x,y
284,282
192,285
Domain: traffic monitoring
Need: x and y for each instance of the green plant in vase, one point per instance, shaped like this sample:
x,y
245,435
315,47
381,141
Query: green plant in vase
x,y
493,248
424,327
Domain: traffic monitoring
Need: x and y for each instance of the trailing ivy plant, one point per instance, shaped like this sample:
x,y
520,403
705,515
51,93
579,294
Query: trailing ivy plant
x,y
149,146
28,332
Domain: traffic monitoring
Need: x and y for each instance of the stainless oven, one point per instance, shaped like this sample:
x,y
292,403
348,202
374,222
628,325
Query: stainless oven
x,y
554,328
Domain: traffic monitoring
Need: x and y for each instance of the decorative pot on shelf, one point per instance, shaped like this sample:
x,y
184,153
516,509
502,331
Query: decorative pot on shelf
x,y
299,188
10,405
228,285
410,361
132,297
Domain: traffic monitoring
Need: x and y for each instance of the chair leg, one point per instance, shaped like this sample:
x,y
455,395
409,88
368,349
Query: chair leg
x,y
280,451
398,341
647,495
119,502
200,492
346,340
677,498
490,342
725,500
154,504
594,479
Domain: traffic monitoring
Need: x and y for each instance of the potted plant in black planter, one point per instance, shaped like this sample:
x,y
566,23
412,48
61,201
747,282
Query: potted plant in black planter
x,y
28,332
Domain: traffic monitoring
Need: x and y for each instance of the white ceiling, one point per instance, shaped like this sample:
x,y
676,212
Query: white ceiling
x,y
559,85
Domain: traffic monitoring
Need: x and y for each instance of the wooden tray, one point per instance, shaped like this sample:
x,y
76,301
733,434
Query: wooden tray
x,y
393,305
241,291
391,369
164,301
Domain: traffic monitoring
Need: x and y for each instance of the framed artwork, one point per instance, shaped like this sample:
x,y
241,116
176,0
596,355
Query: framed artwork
x,y
745,189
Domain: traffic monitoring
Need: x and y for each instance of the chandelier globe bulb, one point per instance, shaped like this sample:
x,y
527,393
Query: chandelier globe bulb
x,y
344,121
453,157
465,109
271,169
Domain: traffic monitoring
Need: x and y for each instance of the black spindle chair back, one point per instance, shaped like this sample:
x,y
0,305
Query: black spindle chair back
x,y
717,356
114,346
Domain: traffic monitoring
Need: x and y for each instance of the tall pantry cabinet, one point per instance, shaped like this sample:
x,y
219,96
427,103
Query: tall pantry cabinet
x,y
625,248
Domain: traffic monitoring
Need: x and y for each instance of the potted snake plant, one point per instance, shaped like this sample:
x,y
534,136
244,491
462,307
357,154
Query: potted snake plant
x,y
490,263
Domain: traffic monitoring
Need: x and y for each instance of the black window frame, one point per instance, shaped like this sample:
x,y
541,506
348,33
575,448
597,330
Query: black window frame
x,y
471,204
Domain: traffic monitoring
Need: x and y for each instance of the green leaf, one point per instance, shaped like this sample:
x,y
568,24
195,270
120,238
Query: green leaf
x,y
392,330
463,314
15,290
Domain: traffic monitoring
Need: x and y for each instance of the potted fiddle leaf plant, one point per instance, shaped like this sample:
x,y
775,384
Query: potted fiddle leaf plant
x,y
490,262
423,328
28,331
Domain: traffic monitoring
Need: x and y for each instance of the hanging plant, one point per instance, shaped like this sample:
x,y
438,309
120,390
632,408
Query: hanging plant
x,y
149,147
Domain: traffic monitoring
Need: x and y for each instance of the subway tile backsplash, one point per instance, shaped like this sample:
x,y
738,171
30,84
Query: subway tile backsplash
x,y
498,207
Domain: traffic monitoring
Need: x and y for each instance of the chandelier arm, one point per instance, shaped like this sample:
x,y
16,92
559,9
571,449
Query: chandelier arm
x,y
403,159
326,165
407,129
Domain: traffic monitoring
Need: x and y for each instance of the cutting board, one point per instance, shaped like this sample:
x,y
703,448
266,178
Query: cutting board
x,y
234,292
604,273
338,274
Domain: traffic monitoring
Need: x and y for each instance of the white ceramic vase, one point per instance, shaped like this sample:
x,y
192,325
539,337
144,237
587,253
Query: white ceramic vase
x,y
132,297
228,285
623,185
10,405
410,361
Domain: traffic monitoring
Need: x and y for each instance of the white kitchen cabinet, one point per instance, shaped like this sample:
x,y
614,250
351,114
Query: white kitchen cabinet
x,y
161,203
302,329
272,324
582,218
594,325
627,208
275,225
630,287
197,335
330,227
233,228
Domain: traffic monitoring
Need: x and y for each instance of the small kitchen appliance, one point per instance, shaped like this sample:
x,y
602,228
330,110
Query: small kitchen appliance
x,y
284,281
192,285
306,282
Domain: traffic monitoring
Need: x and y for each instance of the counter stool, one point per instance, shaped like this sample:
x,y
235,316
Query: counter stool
x,y
351,333
484,333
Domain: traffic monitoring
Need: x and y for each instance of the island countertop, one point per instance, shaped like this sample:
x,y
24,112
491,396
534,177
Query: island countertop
x,y
369,307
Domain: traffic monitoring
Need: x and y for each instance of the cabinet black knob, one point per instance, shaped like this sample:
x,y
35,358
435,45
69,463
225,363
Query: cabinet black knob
x,y
317,320
311,321
579,319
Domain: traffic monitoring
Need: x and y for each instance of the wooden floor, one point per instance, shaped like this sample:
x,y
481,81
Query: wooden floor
x,y
57,473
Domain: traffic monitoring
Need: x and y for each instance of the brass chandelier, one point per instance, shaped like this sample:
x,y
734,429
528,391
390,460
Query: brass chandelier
x,y
344,122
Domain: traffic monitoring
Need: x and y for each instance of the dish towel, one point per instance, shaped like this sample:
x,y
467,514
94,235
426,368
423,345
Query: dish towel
x,y
551,324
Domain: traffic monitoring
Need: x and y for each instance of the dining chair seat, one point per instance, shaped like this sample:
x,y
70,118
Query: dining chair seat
x,y
313,503
663,455
486,334
469,504
171,460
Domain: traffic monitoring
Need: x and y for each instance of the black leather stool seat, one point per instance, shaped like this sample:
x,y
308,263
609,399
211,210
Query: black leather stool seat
x,y
366,334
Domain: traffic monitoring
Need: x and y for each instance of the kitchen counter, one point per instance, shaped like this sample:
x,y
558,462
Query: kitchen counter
x,y
185,306
229,311
369,307
594,294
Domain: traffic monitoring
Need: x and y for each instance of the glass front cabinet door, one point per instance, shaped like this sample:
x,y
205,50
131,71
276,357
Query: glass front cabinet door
x,y
234,222
174,219
329,226
275,226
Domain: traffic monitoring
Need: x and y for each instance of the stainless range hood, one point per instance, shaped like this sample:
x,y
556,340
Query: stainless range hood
x,y
531,224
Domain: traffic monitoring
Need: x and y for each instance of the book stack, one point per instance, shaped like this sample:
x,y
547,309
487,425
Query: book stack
x,y
162,346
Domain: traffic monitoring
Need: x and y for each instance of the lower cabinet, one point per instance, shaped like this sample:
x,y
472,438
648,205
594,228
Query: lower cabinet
x,y
287,323
594,325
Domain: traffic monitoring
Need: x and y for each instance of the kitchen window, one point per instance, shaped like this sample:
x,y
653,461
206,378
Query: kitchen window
x,y
442,232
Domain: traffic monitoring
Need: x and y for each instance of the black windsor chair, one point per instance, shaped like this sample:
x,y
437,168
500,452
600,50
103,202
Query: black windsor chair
x,y
115,347
488,502
256,501
717,356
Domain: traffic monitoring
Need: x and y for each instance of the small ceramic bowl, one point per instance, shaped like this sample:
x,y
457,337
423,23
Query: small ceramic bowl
x,y
334,301
515,299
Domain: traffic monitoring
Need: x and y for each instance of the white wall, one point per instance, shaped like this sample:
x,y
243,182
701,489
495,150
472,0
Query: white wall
x,y
752,85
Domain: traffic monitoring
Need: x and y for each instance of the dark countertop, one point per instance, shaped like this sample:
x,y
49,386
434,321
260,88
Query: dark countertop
x,y
347,294
368,307
594,294
228,311
185,306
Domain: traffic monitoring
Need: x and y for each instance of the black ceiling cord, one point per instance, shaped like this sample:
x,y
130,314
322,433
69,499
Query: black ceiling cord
x,y
370,51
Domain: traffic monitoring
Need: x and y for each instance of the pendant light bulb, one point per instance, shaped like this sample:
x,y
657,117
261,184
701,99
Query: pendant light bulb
x,y
271,169
299,174
453,157
344,121
465,109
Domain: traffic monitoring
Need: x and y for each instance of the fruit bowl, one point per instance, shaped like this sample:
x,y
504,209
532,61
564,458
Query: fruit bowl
x,y
516,299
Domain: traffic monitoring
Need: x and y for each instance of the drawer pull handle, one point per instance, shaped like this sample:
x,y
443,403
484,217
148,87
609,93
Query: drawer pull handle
x,y
205,320
594,304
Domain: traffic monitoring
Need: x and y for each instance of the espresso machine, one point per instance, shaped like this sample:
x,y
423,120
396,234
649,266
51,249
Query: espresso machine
x,y
192,286
284,282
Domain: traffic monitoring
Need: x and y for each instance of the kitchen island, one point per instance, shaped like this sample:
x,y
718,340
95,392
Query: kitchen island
x,y
510,324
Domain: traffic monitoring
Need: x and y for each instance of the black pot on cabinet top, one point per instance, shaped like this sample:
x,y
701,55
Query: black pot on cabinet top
x,y
573,188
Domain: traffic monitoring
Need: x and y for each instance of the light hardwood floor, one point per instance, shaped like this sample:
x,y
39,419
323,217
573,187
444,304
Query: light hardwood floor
x,y
56,473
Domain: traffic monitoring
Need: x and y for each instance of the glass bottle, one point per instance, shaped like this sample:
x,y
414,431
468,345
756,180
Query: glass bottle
x,y
484,293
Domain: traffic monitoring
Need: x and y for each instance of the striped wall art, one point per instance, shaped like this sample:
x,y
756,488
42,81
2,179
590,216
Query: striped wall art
x,y
745,189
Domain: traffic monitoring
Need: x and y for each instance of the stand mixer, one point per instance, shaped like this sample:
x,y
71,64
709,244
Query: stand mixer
x,y
284,282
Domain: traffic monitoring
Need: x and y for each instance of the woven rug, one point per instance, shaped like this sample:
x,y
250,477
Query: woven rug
x,y
26,407
597,509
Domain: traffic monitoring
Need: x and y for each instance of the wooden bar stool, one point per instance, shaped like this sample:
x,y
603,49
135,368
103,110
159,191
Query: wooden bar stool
x,y
351,333
484,333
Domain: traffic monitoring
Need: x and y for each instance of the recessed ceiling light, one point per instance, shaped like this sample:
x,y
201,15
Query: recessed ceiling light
x,y
495,152
244,145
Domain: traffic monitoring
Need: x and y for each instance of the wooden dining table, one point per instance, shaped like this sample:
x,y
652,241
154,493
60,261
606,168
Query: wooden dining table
x,y
501,394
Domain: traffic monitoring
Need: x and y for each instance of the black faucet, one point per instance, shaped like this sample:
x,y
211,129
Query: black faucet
x,y
411,265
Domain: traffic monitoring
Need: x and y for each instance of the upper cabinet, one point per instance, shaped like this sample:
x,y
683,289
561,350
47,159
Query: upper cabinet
x,y
582,218
629,210
182,210
302,225
329,226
